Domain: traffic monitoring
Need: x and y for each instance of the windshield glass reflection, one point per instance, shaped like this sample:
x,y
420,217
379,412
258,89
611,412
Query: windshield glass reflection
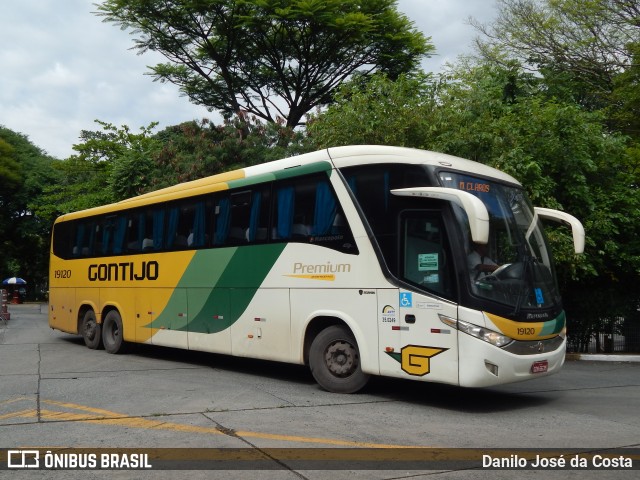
x,y
514,268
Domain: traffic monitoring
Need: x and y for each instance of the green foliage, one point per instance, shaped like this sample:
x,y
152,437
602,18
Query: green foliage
x,y
111,164
114,163
25,170
376,111
624,102
586,51
194,150
562,153
269,58
9,171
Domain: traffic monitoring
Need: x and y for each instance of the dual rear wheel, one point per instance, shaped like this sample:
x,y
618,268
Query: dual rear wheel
x,y
109,334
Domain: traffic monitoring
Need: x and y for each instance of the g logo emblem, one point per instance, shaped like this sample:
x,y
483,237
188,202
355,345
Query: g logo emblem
x,y
415,360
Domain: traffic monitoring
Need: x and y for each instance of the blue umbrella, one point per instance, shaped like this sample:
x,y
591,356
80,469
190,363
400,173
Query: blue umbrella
x,y
14,281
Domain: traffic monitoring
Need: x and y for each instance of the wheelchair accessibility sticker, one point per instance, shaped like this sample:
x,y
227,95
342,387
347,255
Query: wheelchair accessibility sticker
x,y
406,299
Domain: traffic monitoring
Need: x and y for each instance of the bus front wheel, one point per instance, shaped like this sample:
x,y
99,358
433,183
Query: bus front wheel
x,y
334,360
91,330
112,333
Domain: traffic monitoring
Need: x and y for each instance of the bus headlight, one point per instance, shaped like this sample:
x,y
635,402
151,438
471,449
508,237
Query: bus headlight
x,y
489,336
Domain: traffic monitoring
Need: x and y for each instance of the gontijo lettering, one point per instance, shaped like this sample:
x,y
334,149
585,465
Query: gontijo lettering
x,y
108,272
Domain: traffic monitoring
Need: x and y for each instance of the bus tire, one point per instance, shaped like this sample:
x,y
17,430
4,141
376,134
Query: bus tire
x,y
112,333
91,330
334,359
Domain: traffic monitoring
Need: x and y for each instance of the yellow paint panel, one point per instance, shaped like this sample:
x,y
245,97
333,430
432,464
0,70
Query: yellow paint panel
x,y
519,330
148,270
214,183
138,301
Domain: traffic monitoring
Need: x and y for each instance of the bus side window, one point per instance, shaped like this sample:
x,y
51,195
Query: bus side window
x,y
325,209
307,211
242,217
80,239
259,215
86,234
221,220
119,234
64,241
294,211
240,214
154,230
114,229
285,204
197,237
135,231
424,251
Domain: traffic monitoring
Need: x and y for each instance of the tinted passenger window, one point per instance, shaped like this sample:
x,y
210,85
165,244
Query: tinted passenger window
x,y
371,185
301,209
307,210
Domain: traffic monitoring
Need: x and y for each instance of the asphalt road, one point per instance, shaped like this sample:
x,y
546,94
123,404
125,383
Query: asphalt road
x,y
57,394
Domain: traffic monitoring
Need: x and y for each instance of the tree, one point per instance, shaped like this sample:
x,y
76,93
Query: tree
x,y
625,99
198,149
111,164
25,170
377,111
10,175
115,163
588,52
578,46
562,153
269,58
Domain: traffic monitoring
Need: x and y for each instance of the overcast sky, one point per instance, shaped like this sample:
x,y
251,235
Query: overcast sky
x,y
61,68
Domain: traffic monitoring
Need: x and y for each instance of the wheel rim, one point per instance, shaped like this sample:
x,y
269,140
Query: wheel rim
x,y
341,358
113,332
90,329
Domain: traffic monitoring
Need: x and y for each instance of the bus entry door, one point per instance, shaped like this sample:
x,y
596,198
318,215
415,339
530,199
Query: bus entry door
x,y
428,347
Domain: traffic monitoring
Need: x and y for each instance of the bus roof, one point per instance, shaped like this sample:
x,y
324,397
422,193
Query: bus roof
x,y
371,154
334,157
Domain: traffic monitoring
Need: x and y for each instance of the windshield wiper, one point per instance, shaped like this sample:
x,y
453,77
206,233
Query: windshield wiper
x,y
524,290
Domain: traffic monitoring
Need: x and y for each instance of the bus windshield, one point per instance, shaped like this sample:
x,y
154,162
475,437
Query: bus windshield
x,y
514,268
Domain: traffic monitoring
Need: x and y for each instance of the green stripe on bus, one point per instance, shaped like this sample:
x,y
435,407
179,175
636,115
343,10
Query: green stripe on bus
x,y
235,273
553,326
280,175
314,167
253,180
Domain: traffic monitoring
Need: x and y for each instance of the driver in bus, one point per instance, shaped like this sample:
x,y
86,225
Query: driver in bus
x,y
479,263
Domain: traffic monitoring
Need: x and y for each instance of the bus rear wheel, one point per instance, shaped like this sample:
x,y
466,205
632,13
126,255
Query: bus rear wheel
x,y
112,333
334,360
91,330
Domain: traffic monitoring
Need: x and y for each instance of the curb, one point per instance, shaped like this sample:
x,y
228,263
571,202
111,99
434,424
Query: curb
x,y
594,357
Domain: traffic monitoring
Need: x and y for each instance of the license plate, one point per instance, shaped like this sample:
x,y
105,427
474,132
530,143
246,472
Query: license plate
x,y
540,367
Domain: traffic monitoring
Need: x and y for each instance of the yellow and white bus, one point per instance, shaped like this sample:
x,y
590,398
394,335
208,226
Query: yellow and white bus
x,y
356,261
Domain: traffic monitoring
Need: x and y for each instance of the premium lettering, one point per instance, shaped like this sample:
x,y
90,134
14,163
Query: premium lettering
x,y
301,268
123,271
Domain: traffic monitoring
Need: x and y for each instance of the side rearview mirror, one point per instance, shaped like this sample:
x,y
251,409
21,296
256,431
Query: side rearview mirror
x,y
576,226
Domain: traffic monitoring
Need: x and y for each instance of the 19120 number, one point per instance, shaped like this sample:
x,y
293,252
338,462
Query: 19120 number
x,y
62,273
526,331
